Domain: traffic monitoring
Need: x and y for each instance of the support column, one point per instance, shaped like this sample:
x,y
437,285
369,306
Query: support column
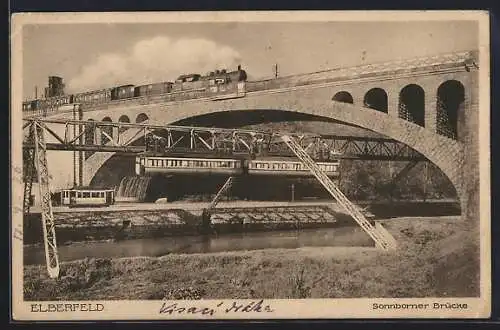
x,y
430,117
97,136
115,134
358,98
393,102
81,155
470,169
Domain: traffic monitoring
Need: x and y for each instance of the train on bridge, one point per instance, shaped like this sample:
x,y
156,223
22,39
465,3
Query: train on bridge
x,y
218,83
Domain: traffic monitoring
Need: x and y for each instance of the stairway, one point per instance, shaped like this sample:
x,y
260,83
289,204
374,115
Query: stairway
x,y
380,238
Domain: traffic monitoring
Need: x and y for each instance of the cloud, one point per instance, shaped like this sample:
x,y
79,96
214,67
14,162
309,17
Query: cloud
x,y
155,59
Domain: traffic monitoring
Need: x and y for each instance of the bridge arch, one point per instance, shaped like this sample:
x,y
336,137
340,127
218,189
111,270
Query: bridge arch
x,y
412,104
123,119
376,98
450,108
444,152
343,96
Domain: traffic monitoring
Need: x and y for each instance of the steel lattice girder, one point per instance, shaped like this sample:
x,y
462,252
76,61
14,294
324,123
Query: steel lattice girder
x,y
118,137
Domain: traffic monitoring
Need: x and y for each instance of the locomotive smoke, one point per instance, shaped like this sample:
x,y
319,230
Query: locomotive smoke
x,y
152,60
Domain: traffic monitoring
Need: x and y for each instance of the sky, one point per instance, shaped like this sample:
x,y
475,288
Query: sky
x,y
93,56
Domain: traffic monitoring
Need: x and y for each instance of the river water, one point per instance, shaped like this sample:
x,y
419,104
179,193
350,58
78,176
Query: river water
x,y
154,247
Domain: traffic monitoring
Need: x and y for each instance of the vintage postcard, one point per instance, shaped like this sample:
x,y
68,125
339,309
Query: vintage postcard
x,y
250,165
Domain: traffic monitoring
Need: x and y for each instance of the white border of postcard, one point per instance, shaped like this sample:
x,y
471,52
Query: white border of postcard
x,y
281,308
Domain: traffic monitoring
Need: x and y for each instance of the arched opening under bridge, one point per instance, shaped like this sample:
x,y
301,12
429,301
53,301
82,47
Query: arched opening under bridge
x,y
123,119
142,117
344,97
412,104
450,108
106,130
376,98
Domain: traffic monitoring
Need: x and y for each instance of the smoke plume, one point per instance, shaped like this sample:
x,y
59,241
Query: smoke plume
x,y
154,60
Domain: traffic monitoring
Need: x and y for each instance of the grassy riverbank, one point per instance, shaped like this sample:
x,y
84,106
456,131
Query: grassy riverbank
x,y
436,257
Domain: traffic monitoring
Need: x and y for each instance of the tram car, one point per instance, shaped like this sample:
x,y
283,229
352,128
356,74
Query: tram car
x,y
80,197
152,165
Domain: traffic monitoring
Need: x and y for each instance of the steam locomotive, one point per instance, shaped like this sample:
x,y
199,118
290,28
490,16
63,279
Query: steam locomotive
x,y
214,83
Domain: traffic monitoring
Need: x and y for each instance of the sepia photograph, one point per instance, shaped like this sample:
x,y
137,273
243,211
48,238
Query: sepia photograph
x,y
241,165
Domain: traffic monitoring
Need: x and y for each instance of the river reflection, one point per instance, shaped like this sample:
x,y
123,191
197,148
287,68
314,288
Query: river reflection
x,y
154,247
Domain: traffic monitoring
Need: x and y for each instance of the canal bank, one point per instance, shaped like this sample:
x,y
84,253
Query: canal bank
x,y
152,221
436,257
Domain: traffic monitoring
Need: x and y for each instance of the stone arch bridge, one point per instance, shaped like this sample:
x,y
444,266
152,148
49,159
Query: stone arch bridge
x,y
429,104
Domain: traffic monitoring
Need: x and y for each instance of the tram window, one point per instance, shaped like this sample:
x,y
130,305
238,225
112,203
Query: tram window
x,y
86,195
185,163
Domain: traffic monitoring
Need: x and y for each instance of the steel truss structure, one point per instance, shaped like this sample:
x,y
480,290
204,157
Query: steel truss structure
x,y
132,138
37,165
212,139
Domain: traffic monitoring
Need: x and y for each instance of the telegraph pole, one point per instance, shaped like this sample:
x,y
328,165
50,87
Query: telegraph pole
x,y
81,158
426,176
75,160
275,69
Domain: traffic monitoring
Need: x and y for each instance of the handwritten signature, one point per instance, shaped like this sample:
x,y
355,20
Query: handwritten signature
x,y
234,307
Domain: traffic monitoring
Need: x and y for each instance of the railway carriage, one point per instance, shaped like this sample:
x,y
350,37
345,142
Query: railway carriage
x,y
151,165
290,168
171,165
122,92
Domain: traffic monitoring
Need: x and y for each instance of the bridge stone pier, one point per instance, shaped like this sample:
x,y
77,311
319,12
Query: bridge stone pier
x,y
429,104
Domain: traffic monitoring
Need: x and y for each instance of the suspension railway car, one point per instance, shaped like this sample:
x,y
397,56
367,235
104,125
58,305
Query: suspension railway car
x,y
84,197
152,165
290,168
